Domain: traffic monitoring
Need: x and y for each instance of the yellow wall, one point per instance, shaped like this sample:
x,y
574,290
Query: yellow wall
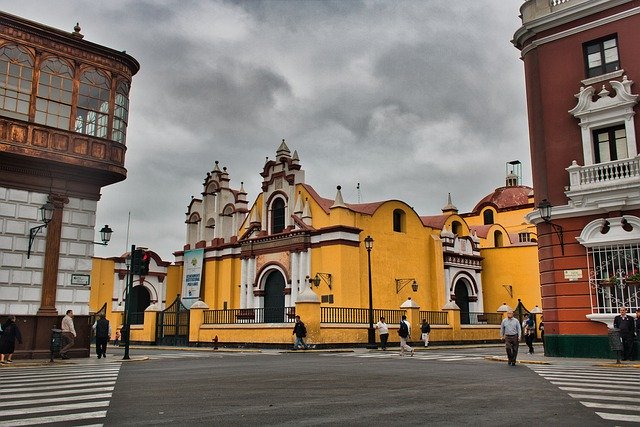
x,y
516,266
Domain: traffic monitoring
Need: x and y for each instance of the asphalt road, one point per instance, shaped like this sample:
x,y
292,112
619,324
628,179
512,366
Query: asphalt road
x,y
362,388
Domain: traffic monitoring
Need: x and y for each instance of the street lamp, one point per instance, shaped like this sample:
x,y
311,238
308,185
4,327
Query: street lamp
x,y
105,236
544,209
368,244
46,215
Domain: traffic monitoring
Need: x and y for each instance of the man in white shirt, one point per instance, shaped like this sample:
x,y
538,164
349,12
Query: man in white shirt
x,y
510,331
68,334
382,327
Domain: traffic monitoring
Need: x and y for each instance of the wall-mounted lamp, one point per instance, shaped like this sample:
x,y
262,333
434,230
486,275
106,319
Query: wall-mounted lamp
x,y
509,289
105,235
46,214
326,277
504,308
545,213
401,283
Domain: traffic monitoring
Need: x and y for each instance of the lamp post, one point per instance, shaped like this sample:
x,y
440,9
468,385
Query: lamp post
x,y
105,236
544,209
368,244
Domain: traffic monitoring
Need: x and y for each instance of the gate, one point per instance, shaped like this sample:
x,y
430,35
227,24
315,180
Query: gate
x,y
172,325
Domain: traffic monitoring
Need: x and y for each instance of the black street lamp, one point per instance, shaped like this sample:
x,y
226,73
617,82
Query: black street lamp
x,y
368,244
105,236
544,208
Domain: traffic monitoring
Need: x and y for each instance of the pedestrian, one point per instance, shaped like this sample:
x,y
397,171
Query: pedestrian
x,y
102,330
116,340
541,329
383,329
425,328
68,334
626,325
529,329
10,333
404,331
510,331
300,331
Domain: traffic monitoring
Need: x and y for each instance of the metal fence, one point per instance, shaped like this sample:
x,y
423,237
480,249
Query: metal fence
x,y
435,317
480,318
358,315
250,315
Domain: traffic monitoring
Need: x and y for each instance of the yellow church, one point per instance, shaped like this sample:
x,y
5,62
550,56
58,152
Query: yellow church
x,y
246,271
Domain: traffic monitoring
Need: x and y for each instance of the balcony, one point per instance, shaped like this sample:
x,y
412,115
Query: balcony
x,y
605,184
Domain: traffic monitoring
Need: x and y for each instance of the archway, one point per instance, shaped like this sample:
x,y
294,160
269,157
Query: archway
x,y
462,300
140,299
274,298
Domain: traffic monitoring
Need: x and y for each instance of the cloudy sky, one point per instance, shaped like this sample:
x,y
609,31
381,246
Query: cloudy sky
x,y
411,99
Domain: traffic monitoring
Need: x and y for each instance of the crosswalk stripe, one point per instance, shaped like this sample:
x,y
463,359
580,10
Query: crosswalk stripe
x,y
570,383
55,408
7,404
58,384
616,390
619,417
602,375
60,377
584,380
60,392
610,406
53,419
601,397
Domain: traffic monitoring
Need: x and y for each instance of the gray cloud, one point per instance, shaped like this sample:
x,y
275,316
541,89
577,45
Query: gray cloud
x,y
411,99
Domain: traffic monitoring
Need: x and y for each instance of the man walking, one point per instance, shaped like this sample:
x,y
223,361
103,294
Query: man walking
x,y
300,331
510,331
626,325
404,331
425,328
102,330
382,327
68,334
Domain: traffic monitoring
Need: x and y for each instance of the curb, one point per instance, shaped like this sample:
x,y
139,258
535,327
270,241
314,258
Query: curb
x,y
317,351
524,362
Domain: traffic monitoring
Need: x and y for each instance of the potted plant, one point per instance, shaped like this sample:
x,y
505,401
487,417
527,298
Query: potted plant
x,y
633,278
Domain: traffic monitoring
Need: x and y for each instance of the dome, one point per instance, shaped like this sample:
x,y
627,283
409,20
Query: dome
x,y
506,198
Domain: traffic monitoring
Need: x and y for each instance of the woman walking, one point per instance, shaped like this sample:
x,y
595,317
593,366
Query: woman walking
x,y
10,333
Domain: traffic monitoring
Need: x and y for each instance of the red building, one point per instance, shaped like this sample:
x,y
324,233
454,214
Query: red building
x,y
581,60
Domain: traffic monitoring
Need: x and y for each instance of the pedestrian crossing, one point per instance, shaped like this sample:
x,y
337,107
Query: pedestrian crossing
x,y
70,394
612,393
436,356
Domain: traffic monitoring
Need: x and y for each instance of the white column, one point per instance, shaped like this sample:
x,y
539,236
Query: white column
x,y
243,283
295,277
251,280
447,284
480,306
216,217
304,268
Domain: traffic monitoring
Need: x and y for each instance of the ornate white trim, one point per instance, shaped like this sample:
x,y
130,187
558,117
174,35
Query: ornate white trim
x,y
592,235
606,111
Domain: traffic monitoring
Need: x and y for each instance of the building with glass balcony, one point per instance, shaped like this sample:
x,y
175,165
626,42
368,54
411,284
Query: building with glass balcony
x,y
64,105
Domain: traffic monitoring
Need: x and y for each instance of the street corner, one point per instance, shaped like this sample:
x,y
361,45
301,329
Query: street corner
x,y
523,362
622,365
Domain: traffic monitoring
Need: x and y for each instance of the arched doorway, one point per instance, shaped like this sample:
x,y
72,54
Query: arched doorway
x,y
274,298
140,300
462,300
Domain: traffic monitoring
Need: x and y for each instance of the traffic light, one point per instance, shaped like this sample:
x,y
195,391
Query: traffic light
x,y
144,265
136,261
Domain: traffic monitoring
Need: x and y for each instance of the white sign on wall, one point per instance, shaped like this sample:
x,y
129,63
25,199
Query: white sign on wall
x,y
573,275
192,276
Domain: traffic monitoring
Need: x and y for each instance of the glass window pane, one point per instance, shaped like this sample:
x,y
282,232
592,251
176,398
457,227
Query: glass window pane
x,y
594,60
610,55
608,44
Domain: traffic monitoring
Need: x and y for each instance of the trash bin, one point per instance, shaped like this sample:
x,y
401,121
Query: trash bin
x,y
615,342
56,342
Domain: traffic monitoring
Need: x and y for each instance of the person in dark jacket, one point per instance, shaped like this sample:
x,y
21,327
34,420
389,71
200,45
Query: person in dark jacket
x,y
626,325
425,329
300,331
10,333
102,329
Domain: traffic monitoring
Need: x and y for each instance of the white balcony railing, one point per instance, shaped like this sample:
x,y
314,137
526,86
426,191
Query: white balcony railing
x,y
603,175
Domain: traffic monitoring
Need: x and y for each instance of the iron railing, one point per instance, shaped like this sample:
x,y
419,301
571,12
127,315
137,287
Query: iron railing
x,y
475,318
358,315
250,315
435,317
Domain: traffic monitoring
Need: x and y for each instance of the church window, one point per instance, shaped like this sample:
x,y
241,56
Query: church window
x,y
456,227
524,237
55,90
16,73
488,216
601,56
92,117
399,220
610,144
277,216
497,239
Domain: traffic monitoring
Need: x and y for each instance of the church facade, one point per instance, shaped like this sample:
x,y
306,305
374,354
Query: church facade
x,y
291,244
